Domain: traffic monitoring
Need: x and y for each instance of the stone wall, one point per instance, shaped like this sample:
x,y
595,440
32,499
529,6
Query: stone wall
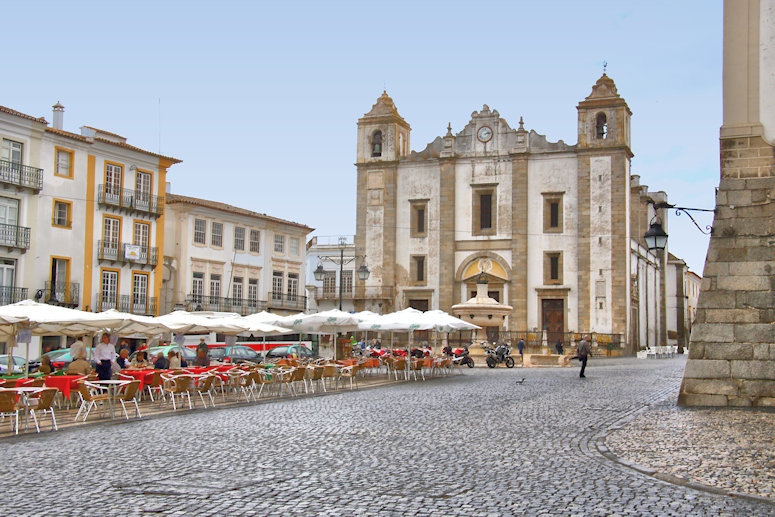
x,y
732,348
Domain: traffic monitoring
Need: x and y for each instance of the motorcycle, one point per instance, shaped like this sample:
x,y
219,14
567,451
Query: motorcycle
x,y
459,353
497,355
419,353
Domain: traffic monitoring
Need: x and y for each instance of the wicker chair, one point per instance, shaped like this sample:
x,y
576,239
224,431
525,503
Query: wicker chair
x,y
206,386
179,385
128,393
351,373
44,401
91,395
10,408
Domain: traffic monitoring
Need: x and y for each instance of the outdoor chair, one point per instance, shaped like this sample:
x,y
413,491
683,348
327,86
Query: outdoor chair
x,y
206,385
91,396
177,385
299,375
128,393
330,372
244,384
349,373
398,367
155,385
261,379
315,376
44,401
10,408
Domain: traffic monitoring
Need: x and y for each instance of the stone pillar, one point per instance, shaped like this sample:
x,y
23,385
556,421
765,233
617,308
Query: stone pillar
x,y
732,347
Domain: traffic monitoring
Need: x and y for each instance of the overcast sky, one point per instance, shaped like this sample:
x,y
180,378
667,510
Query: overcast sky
x,y
261,99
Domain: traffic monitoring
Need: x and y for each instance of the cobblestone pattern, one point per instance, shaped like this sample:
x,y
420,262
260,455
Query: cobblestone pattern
x,y
463,445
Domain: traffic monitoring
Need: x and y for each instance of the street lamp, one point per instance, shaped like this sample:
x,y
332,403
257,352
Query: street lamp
x,y
363,271
656,238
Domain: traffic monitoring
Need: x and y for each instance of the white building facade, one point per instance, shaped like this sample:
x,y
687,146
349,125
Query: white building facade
x,y
550,224
220,257
81,216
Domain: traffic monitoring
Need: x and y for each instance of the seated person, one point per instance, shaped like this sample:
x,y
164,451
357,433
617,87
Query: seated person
x,y
140,361
201,358
161,363
79,367
123,358
45,365
174,360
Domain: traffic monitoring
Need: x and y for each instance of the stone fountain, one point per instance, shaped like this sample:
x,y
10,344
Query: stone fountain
x,y
482,310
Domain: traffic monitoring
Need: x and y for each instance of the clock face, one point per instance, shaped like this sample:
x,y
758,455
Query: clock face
x,y
484,134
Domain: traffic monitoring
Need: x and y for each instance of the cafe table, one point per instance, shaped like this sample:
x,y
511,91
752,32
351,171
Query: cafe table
x,y
111,386
65,384
143,375
24,393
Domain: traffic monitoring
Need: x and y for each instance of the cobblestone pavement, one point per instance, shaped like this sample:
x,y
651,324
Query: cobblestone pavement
x,y
476,444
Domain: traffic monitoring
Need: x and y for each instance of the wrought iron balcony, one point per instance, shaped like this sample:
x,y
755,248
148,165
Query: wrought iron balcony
x,y
217,303
67,294
130,199
125,252
15,237
278,300
332,293
9,295
126,303
21,176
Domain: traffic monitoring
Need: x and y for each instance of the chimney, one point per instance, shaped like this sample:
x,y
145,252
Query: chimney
x,y
59,113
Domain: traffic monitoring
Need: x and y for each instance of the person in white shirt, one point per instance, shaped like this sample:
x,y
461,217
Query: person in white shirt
x,y
104,355
78,349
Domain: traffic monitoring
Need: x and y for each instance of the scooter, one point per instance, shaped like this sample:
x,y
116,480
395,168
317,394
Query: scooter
x,y
497,355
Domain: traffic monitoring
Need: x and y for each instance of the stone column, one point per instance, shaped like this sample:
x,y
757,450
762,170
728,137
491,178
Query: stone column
x,y
732,347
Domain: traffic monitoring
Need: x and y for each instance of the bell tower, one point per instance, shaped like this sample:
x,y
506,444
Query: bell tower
x,y
604,117
603,184
383,140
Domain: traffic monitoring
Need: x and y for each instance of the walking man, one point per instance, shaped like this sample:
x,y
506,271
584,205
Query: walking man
x,y
582,350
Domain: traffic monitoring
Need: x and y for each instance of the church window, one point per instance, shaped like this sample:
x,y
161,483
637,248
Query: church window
x,y
376,144
484,210
419,215
552,268
601,126
553,212
418,269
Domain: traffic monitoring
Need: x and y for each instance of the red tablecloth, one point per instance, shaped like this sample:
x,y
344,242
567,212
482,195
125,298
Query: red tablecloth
x,y
64,383
144,376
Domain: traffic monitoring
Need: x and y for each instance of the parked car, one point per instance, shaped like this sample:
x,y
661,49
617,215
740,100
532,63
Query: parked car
x,y
278,352
234,354
60,358
189,354
18,364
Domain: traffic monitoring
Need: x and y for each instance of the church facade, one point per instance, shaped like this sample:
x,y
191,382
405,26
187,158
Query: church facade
x,y
556,228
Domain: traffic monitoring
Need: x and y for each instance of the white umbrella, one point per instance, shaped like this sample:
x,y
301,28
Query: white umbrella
x,y
183,322
42,319
326,322
263,317
443,322
134,324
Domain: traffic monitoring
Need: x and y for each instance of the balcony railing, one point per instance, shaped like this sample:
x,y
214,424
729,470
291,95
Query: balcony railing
x,y
217,303
14,236
9,295
67,294
22,176
325,293
130,199
279,300
126,303
125,252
